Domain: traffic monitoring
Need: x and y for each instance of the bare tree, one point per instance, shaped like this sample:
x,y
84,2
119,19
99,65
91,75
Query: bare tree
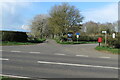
x,y
109,27
39,25
91,27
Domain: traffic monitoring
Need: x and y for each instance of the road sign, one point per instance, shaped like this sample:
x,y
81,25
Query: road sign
x,y
69,39
77,33
77,36
113,35
104,31
70,35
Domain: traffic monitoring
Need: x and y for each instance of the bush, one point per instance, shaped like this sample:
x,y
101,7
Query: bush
x,y
115,43
81,38
85,38
63,38
37,40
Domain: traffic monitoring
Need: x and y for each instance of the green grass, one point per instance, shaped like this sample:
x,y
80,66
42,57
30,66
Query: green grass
x,y
42,39
4,43
14,79
80,42
10,78
75,42
108,49
1,77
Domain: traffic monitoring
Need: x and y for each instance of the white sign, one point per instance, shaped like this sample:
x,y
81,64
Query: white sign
x,y
104,31
113,35
77,36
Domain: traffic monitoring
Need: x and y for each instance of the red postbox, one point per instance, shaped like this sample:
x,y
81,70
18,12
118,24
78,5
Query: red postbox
x,y
99,39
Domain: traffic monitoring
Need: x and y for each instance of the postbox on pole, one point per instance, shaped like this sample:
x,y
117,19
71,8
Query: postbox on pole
x,y
99,40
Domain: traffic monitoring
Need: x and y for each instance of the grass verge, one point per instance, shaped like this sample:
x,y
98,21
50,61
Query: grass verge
x,y
7,43
3,43
7,78
108,49
80,42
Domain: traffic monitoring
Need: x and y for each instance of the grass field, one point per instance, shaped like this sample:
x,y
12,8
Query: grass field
x,y
108,49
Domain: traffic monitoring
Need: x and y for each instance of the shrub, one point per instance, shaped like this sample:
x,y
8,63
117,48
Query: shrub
x,y
81,38
85,38
63,38
37,40
113,42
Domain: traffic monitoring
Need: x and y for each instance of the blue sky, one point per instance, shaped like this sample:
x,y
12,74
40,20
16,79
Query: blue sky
x,y
16,14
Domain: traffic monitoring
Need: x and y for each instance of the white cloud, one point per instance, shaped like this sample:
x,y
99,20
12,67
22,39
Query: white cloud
x,y
11,17
11,7
26,27
108,13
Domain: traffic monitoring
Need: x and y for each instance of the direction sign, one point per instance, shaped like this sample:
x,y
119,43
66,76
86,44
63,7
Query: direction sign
x,y
70,35
104,31
113,35
77,33
77,36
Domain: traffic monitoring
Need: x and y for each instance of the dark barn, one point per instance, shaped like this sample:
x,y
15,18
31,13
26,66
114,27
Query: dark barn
x,y
17,36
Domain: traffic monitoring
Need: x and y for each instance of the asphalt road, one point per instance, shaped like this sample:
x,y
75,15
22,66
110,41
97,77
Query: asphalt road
x,y
51,60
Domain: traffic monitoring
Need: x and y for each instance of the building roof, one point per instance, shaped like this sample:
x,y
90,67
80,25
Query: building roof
x,y
14,30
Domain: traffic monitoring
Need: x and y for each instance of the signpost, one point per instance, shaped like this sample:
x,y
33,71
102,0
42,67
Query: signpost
x,y
113,35
70,36
77,35
105,32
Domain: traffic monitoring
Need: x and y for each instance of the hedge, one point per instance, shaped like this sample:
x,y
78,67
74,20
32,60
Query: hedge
x,y
81,38
13,36
114,42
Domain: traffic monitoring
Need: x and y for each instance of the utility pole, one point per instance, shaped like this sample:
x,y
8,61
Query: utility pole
x,y
105,39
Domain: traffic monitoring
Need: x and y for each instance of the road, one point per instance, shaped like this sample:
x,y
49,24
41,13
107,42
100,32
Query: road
x,y
52,60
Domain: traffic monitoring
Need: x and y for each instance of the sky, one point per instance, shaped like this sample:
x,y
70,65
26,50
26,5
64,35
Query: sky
x,y
16,14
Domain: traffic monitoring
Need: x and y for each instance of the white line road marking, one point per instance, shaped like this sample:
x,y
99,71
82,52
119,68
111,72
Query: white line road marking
x,y
105,57
4,59
35,52
13,76
1,50
78,65
82,55
59,54
15,51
